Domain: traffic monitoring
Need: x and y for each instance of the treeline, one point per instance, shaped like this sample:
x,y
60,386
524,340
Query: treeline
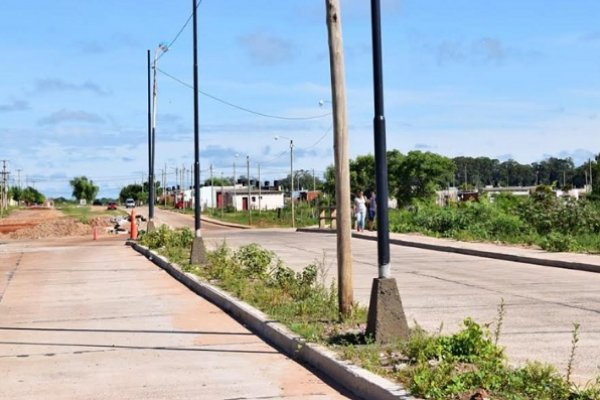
x,y
417,175
558,172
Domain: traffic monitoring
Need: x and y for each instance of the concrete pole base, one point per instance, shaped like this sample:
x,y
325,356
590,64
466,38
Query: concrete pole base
x,y
150,227
198,255
386,321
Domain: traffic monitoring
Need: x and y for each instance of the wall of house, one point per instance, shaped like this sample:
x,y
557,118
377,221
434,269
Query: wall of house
x,y
268,201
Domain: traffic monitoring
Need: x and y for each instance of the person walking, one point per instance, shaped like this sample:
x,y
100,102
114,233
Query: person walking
x,y
360,211
372,202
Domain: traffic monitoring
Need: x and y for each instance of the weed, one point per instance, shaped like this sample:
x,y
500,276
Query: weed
x,y
574,341
433,366
499,320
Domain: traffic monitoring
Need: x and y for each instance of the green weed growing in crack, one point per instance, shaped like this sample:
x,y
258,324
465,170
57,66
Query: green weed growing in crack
x,y
499,320
574,341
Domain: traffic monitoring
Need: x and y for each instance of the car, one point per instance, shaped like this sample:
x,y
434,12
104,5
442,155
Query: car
x,y
111,205
129,203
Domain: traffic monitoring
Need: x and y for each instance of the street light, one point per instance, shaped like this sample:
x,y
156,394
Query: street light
x,y
162,48
291,176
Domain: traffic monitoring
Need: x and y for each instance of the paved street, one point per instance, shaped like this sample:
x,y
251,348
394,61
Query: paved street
x,y
441,289
96,320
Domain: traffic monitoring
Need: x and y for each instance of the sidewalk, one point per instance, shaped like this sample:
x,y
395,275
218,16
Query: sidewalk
x,y
83,319
577,261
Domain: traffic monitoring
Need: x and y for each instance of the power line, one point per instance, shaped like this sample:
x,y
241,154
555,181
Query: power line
x,y
180,31
240,107
320,139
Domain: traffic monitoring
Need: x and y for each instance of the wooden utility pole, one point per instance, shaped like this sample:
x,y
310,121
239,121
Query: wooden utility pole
x,y
340,146
249,193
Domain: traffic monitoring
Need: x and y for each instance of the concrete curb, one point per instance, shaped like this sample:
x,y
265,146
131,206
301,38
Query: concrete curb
x,y
474,252
357,381
226,224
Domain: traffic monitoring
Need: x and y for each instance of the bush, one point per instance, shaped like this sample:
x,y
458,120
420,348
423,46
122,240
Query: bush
x,y
556,241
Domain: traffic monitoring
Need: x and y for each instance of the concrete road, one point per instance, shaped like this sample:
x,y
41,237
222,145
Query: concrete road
x,y
441,289
95,320
178,220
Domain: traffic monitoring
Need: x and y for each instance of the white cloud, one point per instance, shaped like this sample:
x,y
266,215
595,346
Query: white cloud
x,y
267,49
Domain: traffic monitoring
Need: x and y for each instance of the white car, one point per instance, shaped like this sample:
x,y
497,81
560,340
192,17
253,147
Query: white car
x,y
129,203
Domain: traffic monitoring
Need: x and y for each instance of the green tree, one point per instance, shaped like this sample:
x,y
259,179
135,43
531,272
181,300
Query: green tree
x,y
420,174
84,188
157,189
133,191
32,196
303,179
218,182
15,193
362,173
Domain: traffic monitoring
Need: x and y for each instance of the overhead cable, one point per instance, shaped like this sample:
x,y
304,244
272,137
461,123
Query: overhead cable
x,y
240,107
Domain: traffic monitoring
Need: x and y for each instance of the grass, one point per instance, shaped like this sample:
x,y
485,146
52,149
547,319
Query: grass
x,y
6,212
430,365
84,214
556,225
266,218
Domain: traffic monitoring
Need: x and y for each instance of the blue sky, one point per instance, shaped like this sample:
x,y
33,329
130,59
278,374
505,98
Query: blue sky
x,y
504,79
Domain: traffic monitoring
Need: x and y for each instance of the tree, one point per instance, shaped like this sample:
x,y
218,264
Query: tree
x,y
158,190
362,173
303,180
32,196
133,191
84,189
218,182
15,193
420,174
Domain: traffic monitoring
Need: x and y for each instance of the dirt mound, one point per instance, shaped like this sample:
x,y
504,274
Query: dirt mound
x,y
101,222
53,228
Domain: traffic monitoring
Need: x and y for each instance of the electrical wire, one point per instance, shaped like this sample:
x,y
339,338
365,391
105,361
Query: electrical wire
x,y
240,107
320,139
180,31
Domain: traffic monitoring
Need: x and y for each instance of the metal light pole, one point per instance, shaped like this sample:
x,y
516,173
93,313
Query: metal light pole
x,y
162,48
259,191
291,176
248,183
198,255
150,225
386,320
222,194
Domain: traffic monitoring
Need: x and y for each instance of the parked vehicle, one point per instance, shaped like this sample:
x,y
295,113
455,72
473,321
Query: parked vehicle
x,y
111,205
129,203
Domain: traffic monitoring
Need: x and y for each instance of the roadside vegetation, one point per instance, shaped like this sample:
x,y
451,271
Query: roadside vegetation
x,y
6,211
306,214
542,219
430,365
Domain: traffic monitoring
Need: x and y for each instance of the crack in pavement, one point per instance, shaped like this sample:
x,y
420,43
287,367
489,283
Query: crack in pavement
x,y
11,275
78,352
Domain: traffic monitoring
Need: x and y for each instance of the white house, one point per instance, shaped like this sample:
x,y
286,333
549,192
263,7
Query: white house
x,y
237,197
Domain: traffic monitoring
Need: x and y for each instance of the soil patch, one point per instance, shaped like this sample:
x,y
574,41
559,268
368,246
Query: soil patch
x,y
40,223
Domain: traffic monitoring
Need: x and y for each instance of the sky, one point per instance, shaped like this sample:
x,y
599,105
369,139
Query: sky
x,y
508,79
